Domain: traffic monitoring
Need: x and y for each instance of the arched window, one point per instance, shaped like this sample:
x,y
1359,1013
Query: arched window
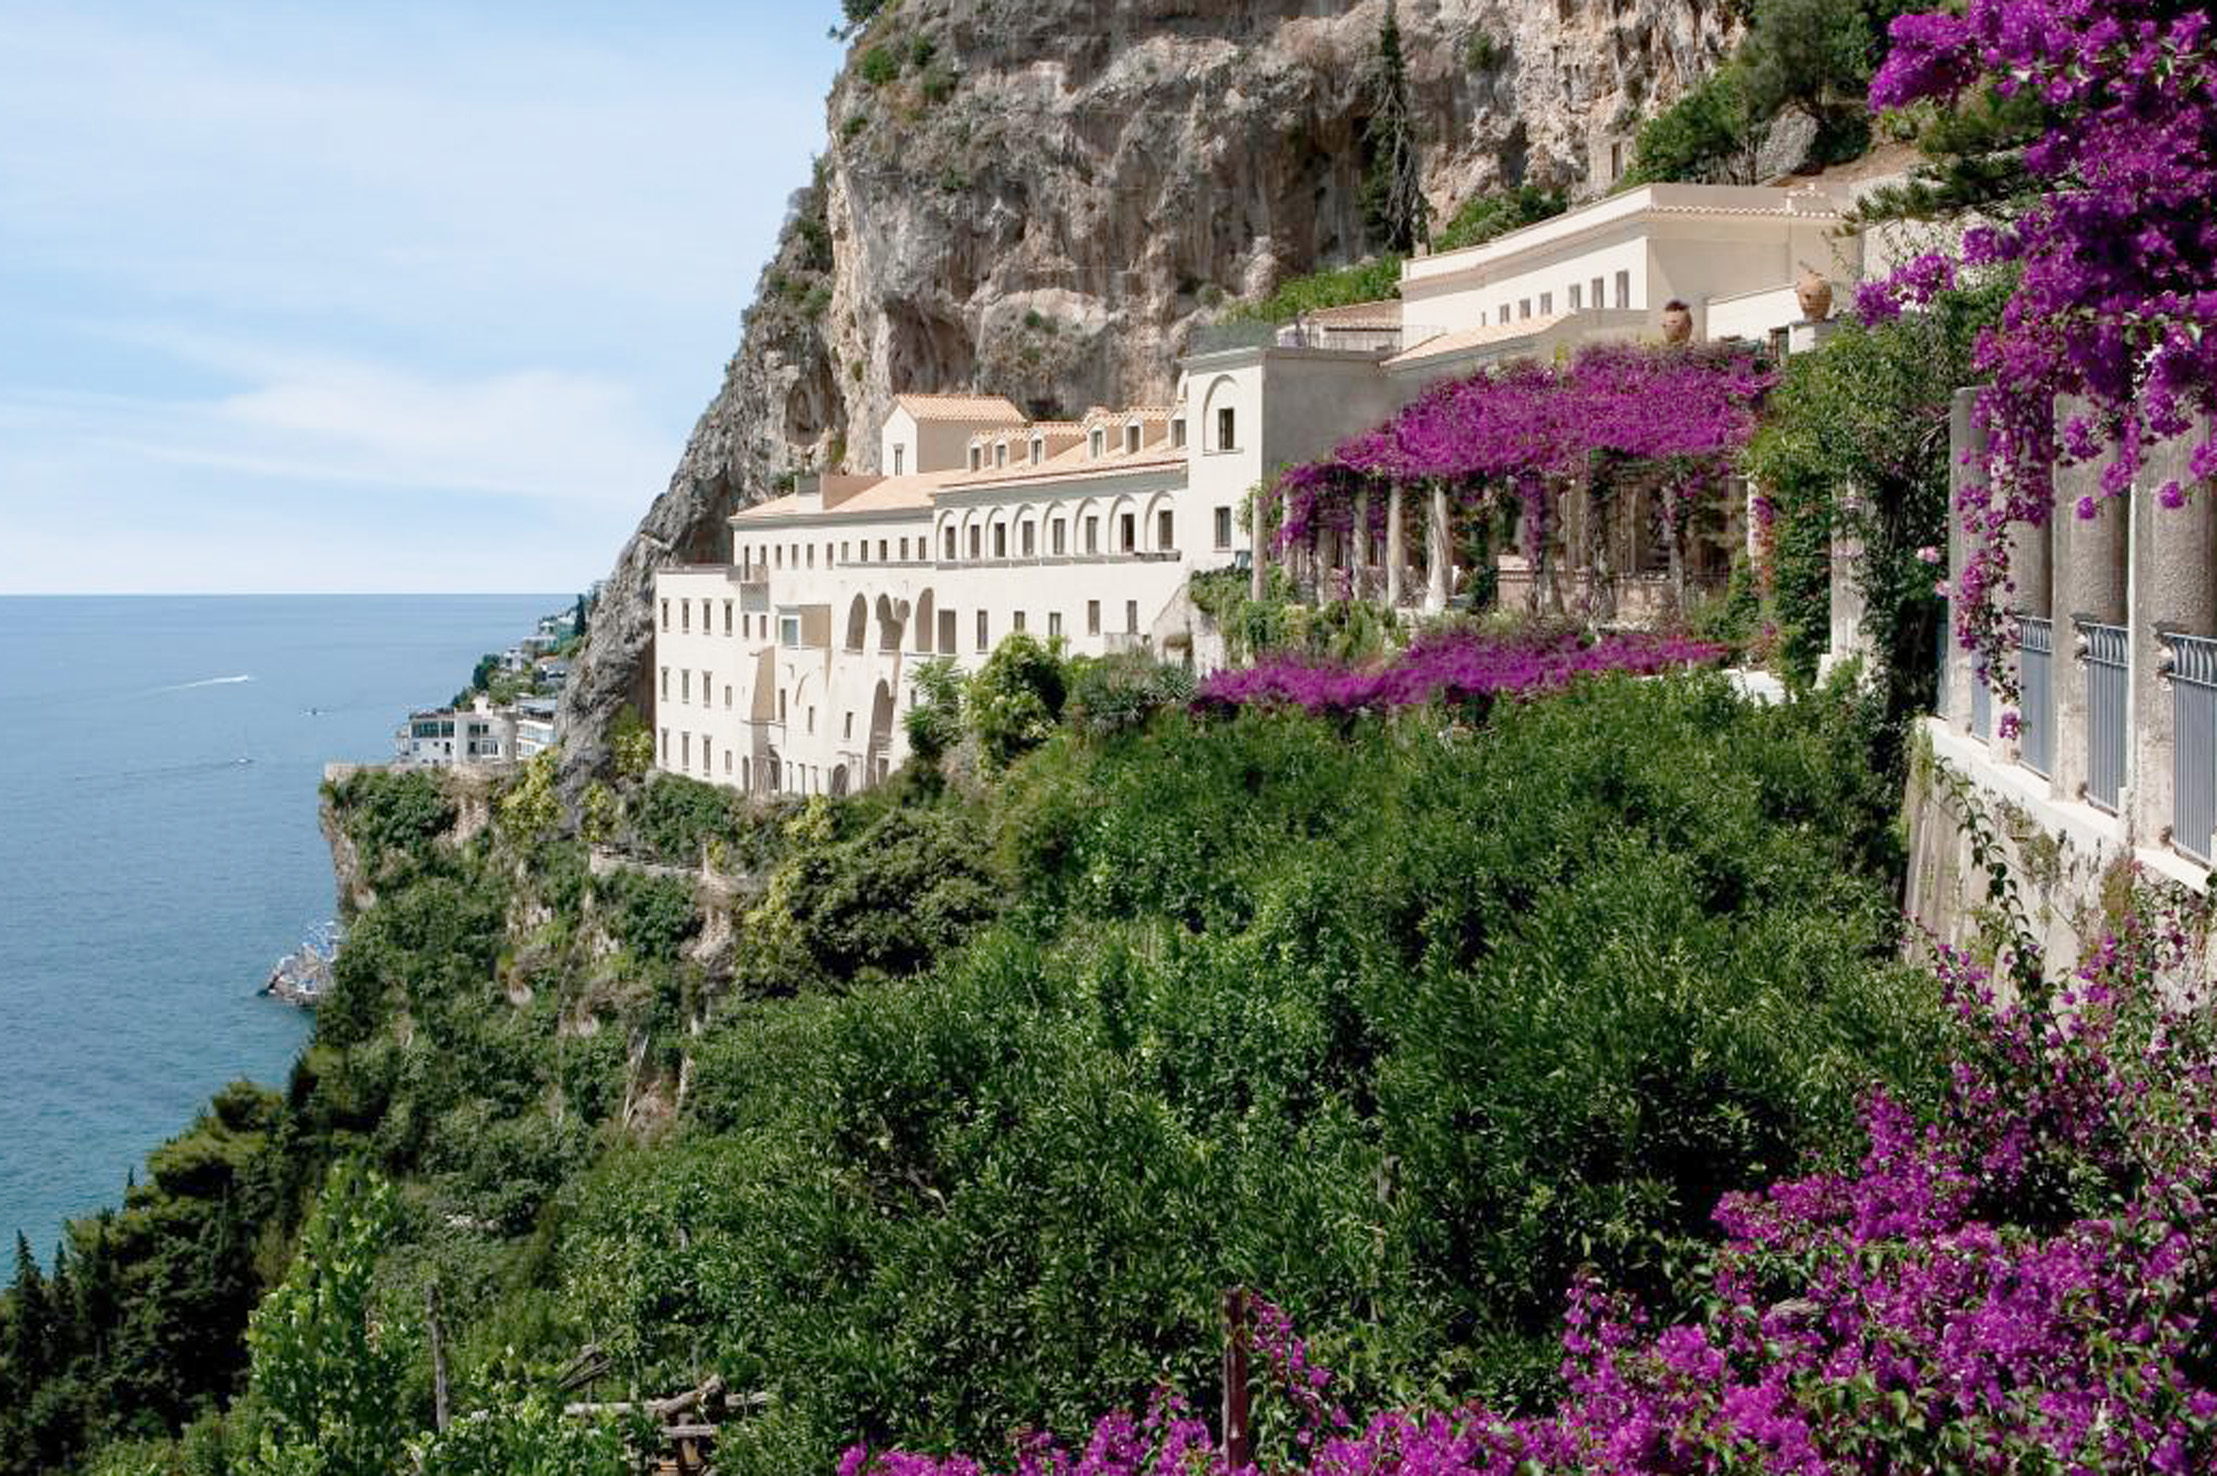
x,y
858,623
924,623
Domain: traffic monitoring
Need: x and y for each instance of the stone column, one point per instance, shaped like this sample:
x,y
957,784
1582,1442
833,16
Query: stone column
x,y
2174,587
1397,553
2088,582
1436,553
1964,439
1846,642
1259,552
1358,564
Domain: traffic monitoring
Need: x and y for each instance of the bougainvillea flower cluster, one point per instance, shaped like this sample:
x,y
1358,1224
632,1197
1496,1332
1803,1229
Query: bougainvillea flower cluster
x,y
2023,1283
2116,307
1457,665
1530,430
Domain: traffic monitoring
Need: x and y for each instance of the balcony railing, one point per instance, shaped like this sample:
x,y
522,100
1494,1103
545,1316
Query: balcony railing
x,y
2194,743
2036,681
2106,683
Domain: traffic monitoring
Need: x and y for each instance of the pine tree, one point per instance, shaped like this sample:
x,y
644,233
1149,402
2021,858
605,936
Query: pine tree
x,y
30,1330
1393,193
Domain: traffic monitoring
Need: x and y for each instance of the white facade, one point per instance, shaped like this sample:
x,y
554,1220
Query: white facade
x,y
478,734
787,669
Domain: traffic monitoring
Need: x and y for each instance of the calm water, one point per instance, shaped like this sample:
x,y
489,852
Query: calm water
x,y
158,848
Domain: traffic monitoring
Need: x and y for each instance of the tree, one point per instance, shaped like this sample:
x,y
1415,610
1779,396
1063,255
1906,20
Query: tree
x,y
1015,699
578,619
329,1380
1393,193
934,723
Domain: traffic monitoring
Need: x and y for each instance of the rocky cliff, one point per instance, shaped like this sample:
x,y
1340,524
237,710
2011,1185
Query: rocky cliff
x,y
1044,198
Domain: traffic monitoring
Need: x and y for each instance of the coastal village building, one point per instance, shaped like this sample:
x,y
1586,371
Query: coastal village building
x,y
443,737
786,669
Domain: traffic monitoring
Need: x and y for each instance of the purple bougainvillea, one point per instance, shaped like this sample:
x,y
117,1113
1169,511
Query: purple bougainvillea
x,y
1458,666
2024,1283
2116,303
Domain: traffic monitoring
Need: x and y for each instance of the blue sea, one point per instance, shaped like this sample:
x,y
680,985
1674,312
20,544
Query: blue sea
x,y
159,850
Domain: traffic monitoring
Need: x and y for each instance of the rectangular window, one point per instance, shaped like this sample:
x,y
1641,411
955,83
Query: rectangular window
x,y
665,748
1092,617
1524,307
949,541
684,685
665,614
1039,449
1092,535
727,696
1575,289
975,454
708,763
1547,304
789,631
708,689
685,750
1131,439
1177,434
727,763
1223,527
1166,530
1060,538
1000,540
1030,532
1127,531
881,550
844,556
665,684
974,536
1096,443
981,630
727,617
1000,453
1131,616
1227,429
904,550
1016,621
1054,625
1624,289
685,615
900,458
1600,297
947,632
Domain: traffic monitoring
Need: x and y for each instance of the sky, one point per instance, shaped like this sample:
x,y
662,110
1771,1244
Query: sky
x,y
376,296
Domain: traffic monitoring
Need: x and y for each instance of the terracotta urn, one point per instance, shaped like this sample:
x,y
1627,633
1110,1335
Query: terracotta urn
x,y
1678,322
1815,294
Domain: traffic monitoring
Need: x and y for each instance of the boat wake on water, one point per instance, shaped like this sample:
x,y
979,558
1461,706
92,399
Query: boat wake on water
x,y
222,681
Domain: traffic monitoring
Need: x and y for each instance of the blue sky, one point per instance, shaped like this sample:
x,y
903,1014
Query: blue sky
x,y
374,296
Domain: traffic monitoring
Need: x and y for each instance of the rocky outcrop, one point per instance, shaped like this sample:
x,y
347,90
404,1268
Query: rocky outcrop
x,y
1044,198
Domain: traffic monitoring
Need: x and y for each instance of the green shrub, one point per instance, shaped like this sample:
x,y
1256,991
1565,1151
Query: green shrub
x,y
1706,135
1366,281
879,66
392,816
1487,216
934,722
1116,694
1012,703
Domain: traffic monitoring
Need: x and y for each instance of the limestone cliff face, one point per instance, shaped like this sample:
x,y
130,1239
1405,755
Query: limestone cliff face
x,y
1043,198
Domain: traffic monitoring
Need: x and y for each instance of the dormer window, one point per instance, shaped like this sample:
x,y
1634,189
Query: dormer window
x,y
1177,434
1039,449
900,455
977,457
1000,453
1097,443
1131,439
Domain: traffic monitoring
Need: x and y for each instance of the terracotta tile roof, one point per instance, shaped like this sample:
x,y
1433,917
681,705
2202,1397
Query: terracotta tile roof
x,y
911,493
959,407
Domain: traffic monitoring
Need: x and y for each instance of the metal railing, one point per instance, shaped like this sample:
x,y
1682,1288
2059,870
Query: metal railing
x,y
2107,679
2193,673
2036,693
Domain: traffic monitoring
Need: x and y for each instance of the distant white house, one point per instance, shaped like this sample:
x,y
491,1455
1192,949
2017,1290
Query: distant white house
x,y
477,734
786,667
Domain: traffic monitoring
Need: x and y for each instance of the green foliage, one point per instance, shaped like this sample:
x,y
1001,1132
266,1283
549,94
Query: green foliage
x,y
1393,181
1815,56
880,65
631,742
934,722
1709,134
529,809
1856,435
651,916
327,1380
521,1432
390,815
1486,216
1402,1022
1484,52
1012,703
1366,281
1119,693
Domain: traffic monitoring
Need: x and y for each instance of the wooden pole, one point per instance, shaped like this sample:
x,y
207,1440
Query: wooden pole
x,y
438,1355
1238,1445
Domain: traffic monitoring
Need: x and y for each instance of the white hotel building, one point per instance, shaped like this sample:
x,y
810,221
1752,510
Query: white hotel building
x,y
786,669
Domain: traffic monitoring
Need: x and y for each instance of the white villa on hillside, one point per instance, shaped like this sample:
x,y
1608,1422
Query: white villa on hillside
x,y
785,670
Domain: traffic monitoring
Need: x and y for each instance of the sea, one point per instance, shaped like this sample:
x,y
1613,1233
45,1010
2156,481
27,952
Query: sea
x,y
159,849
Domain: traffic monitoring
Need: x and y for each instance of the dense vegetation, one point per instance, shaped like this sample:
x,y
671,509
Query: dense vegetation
x,y
987,1083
